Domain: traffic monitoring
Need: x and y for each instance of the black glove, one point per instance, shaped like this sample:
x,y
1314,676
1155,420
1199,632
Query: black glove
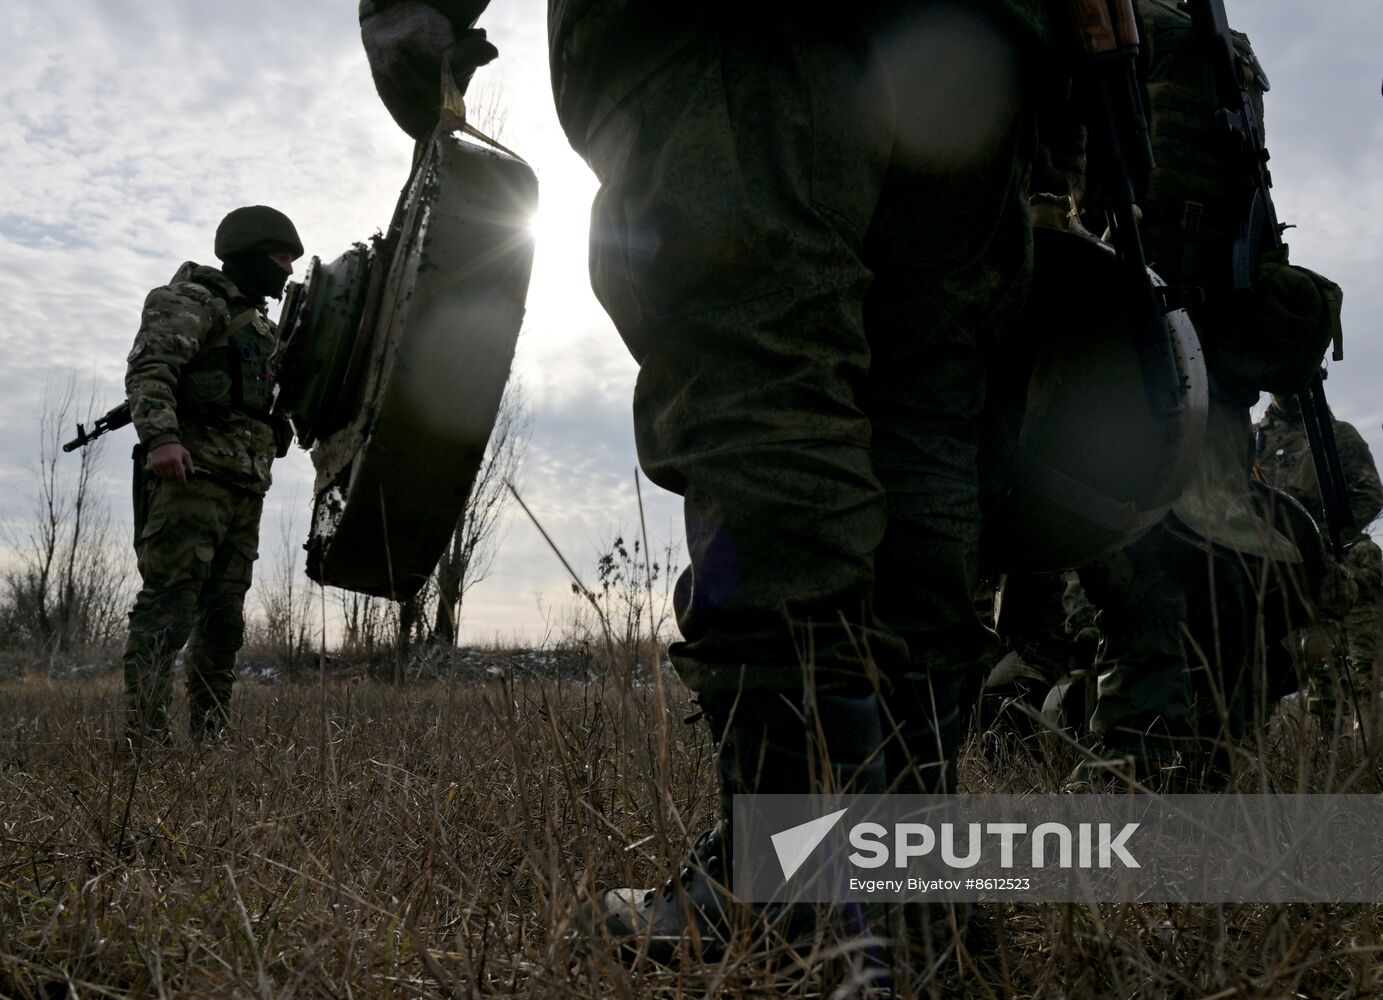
x,y
405,43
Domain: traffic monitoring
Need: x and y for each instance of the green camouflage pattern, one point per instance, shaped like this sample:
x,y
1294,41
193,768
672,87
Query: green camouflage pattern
x,y
196,554
180,320
1162,698
1177,616
1189,220
1144,698
1217,505
807,272
1363,623
1285,457
1351,632
602,51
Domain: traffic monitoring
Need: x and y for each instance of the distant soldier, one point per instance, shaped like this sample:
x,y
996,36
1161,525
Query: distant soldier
x,y
1285,458
200,382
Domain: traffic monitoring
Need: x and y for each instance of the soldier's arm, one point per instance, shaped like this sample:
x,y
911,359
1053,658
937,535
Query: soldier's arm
x,y
177,320
1361,475
405,43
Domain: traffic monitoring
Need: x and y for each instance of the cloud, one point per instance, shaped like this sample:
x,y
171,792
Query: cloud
x,y
127,129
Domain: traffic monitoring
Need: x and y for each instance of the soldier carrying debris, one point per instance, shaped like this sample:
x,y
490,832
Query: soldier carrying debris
x,y
804,245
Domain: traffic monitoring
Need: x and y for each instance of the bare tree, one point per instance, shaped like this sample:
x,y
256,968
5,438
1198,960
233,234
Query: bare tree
x,y
67,587
362,625
285,600
471,552
486,109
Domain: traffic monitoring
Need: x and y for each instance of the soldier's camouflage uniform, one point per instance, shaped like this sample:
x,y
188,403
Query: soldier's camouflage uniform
x,y
806,261
1157,696
196,543
1285,458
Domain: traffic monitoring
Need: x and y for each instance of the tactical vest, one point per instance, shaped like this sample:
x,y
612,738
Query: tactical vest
x,y
1190,215
233,372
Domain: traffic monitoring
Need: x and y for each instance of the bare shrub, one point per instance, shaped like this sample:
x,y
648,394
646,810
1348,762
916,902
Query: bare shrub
x,y
628,611
475,543
67,588
282,635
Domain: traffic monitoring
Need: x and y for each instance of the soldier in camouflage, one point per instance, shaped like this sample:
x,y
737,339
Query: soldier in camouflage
x,y
1285,458
807,233
1168,705
200,383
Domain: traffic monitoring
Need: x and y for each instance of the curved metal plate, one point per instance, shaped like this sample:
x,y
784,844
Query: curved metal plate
x,y
323,323
392,483
1076,463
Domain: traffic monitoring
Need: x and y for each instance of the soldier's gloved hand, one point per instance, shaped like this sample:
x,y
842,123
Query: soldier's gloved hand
x,y
406,43
1049,211
1053,211
171,461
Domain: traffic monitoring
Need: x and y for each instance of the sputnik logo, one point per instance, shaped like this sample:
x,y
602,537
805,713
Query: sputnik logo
x,y
795,844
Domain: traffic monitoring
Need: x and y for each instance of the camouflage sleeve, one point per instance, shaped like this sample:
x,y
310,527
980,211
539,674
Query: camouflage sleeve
x,y
1365,490
178,319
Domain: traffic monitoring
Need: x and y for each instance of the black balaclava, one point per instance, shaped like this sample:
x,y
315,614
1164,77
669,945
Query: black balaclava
x,y
255,273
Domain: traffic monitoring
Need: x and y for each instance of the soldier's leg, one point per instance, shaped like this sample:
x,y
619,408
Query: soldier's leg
x,y
174,550
950,249
726,245
1230,683
1363,623
1143,707
220,620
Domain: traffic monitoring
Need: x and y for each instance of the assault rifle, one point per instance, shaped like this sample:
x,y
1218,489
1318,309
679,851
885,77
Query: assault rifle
x,y
1107,31
112,420
1259,230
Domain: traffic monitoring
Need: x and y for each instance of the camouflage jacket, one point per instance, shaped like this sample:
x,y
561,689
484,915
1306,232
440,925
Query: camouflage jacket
x,y
1285,457
600,50
181,319
1218,503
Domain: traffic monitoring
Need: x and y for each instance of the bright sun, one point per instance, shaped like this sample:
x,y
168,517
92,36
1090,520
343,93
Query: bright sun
x,y
561,286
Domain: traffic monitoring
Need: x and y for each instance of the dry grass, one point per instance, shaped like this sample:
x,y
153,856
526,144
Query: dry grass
x,y
443,840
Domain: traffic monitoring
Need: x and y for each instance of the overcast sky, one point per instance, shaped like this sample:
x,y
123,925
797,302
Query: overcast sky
x,y
127,129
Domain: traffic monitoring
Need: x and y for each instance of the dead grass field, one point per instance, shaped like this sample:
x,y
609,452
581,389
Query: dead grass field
x,y
365,840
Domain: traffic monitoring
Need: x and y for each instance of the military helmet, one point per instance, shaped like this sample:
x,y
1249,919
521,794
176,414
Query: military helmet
x,y
1077,461
256,227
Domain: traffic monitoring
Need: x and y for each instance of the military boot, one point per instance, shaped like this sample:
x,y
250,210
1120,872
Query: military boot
x,y
927,717
765,747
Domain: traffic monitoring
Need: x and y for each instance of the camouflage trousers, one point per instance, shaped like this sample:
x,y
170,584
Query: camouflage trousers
x,y
806,241
1182,671
196,551
1343,656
